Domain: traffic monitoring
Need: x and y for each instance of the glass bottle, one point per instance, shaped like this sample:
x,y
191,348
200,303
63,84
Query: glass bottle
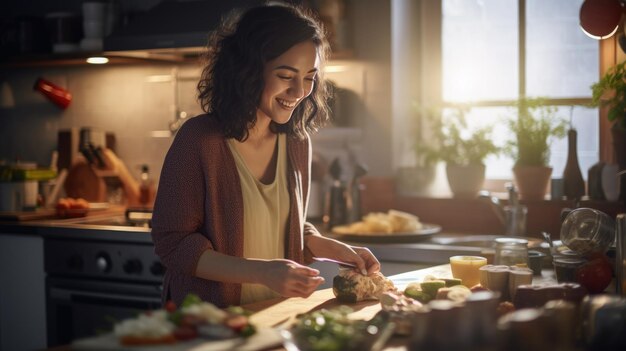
x,y
146,187
511,251
573,183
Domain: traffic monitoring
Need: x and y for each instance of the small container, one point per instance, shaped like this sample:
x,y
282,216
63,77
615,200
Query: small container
x,y
511,251
565,267
535,261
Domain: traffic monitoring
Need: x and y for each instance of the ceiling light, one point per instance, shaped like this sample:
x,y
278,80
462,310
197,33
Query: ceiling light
x,y
97,60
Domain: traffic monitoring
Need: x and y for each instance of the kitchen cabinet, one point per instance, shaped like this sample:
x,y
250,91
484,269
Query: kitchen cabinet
x,y
22,293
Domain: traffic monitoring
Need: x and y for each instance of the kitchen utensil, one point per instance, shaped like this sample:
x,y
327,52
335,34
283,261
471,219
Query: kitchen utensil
x,y
548,239
335,213
353,201
341,263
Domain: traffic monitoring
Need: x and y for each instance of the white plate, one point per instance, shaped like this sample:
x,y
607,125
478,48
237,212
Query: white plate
x,y
427,231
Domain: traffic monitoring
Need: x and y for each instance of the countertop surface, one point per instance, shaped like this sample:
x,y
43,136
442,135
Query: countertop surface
x,y
110,225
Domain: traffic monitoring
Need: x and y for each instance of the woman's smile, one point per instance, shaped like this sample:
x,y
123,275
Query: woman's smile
x,y
287,104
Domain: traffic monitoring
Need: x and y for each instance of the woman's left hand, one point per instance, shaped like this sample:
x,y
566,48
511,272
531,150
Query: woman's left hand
x,y
362,257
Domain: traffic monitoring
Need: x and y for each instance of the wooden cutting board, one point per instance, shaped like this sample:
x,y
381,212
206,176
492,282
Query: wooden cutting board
x,y
281,312
83,182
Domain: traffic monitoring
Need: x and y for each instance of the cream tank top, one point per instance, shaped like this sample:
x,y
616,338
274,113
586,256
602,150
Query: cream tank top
x,y
265,214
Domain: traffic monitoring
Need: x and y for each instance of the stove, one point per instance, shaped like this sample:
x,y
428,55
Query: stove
x,y
97,274
76,259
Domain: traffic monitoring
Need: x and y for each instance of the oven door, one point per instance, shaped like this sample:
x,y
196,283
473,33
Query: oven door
x,y
84,308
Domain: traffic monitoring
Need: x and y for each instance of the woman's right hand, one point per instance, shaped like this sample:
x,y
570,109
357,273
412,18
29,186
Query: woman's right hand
x,y
290,279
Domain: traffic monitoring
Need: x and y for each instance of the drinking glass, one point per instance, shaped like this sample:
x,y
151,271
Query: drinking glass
x,y
466,268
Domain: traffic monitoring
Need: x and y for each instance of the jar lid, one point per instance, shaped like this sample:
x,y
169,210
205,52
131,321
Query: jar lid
x,y
511,241
568,261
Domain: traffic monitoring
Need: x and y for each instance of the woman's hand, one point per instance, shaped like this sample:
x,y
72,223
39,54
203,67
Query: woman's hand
x,y
290,279
365,261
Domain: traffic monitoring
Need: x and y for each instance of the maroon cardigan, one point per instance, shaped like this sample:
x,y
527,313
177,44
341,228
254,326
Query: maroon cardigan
x,y
199,206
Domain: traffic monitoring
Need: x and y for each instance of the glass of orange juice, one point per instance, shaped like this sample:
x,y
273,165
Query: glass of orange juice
x,y
466,268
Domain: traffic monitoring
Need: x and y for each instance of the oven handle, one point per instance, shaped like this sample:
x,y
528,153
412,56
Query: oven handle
x,y
66,295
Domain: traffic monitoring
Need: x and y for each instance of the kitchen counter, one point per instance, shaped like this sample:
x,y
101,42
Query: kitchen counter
x,y
104,225
282,312
107,226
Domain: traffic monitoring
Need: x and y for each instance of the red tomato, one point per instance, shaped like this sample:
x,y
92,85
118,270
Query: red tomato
x,y
170,306
595,275
236,323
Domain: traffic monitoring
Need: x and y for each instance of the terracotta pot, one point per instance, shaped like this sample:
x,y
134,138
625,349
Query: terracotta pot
x,y
465,181
532,181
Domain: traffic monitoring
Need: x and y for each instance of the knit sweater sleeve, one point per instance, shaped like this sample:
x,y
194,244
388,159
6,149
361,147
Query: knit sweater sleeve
x,y
179,205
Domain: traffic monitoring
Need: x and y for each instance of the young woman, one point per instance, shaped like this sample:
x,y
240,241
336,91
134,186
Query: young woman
x,y
229,218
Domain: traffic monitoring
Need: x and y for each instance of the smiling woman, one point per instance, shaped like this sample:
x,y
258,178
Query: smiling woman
x,y
229,217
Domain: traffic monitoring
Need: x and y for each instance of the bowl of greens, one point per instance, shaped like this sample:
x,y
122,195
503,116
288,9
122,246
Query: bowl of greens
x,y
334,330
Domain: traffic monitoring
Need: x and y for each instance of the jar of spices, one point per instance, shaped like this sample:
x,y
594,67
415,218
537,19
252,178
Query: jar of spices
x,y
511,251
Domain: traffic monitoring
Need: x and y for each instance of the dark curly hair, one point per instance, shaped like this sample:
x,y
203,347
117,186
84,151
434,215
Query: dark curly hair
x,y
232,80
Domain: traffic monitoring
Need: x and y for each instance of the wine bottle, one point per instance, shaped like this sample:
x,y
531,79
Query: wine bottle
x,y
573,183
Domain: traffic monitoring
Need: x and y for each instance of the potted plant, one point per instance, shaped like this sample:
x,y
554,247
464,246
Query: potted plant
x,y
534,124
461,148
610,92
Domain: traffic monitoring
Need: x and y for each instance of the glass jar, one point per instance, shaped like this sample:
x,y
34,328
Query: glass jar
x,y
511,251
586,231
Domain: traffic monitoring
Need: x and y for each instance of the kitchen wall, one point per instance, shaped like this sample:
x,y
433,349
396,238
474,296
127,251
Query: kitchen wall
x,y
130,101
126,100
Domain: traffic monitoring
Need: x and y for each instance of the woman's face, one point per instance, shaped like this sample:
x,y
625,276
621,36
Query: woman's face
x,y
288,80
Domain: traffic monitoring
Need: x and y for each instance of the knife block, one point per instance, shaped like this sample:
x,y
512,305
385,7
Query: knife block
x,y
69,147
83,181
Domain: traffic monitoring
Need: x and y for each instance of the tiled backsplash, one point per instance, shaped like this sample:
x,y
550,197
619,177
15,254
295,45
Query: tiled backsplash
x,y
130,101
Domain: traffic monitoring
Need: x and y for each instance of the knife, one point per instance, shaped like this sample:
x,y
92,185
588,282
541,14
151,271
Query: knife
x,y
341,263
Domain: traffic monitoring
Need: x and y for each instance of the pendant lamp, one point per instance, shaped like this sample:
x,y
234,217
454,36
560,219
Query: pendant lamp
x,y
600,19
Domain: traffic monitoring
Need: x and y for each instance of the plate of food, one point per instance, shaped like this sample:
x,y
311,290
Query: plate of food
x,y
194,324
390,226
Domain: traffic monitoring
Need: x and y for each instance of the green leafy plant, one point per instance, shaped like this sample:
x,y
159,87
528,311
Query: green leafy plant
x,y
452,140
534,124
610,91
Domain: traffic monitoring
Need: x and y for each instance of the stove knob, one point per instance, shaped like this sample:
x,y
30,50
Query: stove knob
x,y
133,266
103,262
75,263
157,268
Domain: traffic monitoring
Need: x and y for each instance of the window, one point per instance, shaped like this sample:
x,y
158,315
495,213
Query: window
x,y
485,67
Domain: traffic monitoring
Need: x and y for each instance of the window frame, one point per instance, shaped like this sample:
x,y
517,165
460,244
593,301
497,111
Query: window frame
x,y
605,148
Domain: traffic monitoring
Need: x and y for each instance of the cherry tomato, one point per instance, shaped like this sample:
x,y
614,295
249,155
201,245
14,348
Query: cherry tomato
x,y
236,323
595,275
170,306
